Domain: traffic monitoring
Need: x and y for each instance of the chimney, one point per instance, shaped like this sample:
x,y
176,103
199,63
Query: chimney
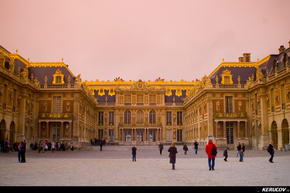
x,y
281,49
240,59
247,57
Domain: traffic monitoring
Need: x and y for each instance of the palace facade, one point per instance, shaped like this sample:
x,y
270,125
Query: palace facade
x,y
241,101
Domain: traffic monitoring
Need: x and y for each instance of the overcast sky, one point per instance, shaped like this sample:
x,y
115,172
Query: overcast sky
x,y
143,39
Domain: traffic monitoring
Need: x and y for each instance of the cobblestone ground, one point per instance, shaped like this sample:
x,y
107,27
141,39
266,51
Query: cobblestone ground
x,y
113,167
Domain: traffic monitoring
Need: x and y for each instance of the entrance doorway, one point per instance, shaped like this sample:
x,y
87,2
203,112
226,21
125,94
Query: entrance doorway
x,y
230,132
152,135
128,135
140,135
274,134
55,131
285,132
12,133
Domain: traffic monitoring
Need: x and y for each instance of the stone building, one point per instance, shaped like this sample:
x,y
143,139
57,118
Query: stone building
x,y
43,101
241,101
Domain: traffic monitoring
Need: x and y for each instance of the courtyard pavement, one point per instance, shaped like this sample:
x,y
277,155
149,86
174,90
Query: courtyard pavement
x,y
113,167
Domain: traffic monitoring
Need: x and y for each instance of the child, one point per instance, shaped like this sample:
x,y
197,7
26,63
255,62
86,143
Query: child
x,y
226,154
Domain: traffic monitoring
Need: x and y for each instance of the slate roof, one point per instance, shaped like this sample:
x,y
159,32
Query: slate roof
x,y
102,99
41,72
275,62
243,72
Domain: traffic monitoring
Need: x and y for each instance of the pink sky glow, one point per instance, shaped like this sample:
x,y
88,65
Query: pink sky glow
x,y
143,39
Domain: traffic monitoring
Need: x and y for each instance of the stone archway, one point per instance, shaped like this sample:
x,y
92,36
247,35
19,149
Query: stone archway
x,y
285,132
12,133
2,130
274,134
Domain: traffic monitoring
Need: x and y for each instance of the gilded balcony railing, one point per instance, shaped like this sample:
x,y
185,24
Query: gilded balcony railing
x,y
55,115
231,115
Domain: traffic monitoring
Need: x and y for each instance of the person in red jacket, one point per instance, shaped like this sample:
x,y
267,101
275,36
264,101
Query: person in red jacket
x,y
211,150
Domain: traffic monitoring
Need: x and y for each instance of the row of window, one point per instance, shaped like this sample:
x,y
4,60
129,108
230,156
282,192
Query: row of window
x,y
140,117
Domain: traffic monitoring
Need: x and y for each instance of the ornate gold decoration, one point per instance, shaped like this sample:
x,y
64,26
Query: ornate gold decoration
x,y
58,77
227,77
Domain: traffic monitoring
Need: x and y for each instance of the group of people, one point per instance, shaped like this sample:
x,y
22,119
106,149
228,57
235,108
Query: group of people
x,y
210,149
185,148
6,147
45,145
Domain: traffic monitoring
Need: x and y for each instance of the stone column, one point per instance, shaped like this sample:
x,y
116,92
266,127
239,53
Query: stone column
x,y
246,129
264,121
280,145
238,130
216,129
210,117
225,130
47,130
21,126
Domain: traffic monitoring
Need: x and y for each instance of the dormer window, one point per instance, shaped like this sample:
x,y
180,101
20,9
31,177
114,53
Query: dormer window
x,y
58,77
58,80
227,77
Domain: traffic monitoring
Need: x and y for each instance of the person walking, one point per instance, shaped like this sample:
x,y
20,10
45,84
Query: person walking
x,y
134,153
242,152
271,151
172,155
19,152
22,152
185,149
195,147
239,147
160,148
211,150
101,145
226,154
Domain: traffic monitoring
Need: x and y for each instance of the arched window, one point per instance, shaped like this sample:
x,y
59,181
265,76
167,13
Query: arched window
x,y
127,117
140,117
152,117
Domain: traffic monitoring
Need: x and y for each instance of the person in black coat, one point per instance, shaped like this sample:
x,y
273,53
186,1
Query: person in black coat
x,y
242,152
185,149
271,151
172,155
19,152
195,147
239,147
101,145
226,154
160,148
134,153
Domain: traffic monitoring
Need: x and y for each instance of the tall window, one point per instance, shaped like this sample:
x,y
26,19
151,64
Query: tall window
x,y
127,117
101,118
179,135
140,99
179,118
229,104
56,104
152,117
128,99
168,118
140,117
152,99
111,118
58,79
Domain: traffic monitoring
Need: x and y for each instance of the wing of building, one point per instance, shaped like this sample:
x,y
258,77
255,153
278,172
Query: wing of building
x,y
243,101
